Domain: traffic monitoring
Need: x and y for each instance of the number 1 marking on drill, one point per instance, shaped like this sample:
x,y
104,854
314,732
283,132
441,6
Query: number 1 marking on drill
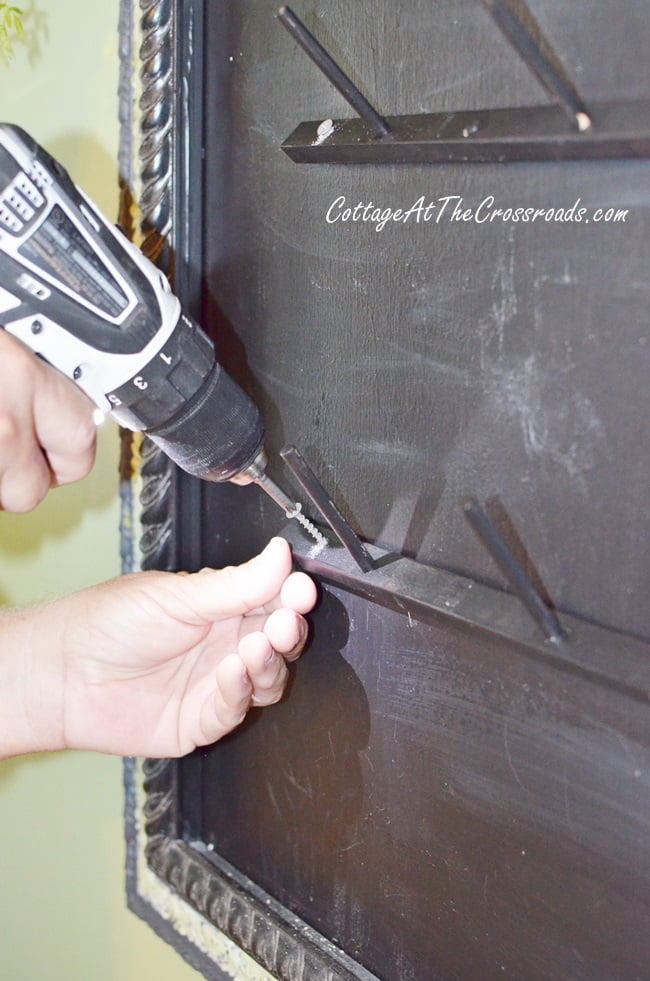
x,y
166,358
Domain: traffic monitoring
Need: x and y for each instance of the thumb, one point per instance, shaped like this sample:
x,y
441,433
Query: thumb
x,y
213,594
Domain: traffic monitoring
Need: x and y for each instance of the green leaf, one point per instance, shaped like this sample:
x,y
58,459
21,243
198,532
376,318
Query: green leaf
x,y
11,29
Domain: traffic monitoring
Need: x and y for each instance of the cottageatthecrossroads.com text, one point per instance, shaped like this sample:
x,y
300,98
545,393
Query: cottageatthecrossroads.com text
x,y
453,208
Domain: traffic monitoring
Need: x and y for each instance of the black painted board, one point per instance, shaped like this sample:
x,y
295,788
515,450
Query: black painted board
x,y
437,804
442,806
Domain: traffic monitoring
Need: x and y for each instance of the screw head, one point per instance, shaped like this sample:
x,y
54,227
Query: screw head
x,y
37,326
324,130
76,374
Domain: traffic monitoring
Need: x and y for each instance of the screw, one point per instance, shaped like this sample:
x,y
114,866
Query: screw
x,y
37,326
76,374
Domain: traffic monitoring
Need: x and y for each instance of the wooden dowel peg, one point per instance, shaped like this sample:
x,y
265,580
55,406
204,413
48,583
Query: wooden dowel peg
x,y
486,531
332,71
524,34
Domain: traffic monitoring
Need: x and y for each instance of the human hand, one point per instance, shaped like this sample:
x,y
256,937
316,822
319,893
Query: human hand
x,y
47,432
156,664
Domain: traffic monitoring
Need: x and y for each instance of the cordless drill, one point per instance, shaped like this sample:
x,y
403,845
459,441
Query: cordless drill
x,y
85,299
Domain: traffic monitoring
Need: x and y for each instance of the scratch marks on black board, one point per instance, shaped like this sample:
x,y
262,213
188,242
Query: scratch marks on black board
x,y
504,303
429,97
539,389
273,798
567,808
408,359
561,426
303,789
502,309
509,755
389,450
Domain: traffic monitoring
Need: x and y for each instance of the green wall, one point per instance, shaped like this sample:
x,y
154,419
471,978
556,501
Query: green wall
x,y
63,914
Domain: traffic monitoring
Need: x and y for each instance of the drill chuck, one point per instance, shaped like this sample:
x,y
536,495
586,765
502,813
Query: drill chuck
x,y
191,408
217,434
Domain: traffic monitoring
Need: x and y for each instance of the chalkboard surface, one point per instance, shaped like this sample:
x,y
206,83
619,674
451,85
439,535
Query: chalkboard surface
x,y
435,801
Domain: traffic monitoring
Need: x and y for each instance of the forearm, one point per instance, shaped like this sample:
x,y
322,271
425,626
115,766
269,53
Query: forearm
x,y
31,682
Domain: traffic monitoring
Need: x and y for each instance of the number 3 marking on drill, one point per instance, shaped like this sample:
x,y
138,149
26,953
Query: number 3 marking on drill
x,y
140,383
